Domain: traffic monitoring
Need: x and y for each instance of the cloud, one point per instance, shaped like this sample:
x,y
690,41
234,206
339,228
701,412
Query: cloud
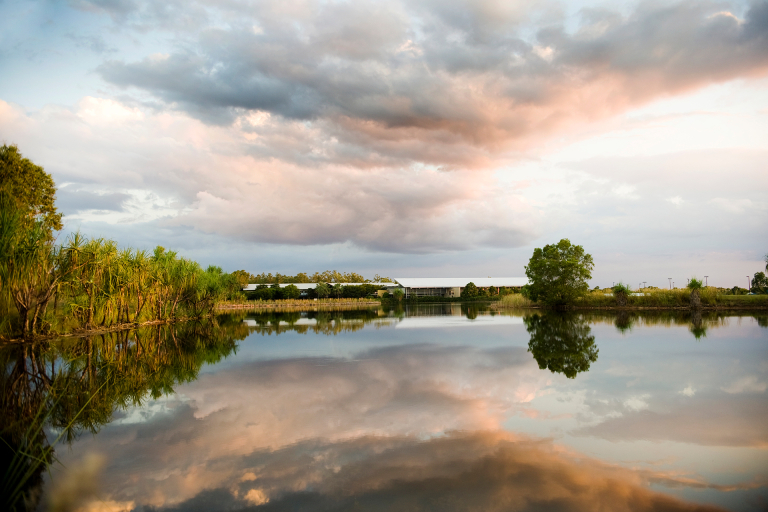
x,y
461,471
374,75
710,420
69,200
218,180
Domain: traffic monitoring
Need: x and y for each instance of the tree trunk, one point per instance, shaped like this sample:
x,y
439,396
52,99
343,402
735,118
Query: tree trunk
x,y
695,299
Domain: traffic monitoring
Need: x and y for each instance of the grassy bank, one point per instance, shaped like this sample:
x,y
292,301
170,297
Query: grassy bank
x,y
652,299
442,300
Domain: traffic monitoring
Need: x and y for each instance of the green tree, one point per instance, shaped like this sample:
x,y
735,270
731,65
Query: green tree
x,y
31,187
469,291
562,343
322,290
558,273
760,283
291,292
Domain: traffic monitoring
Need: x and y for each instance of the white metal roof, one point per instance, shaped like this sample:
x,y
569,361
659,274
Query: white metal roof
x,y
459,282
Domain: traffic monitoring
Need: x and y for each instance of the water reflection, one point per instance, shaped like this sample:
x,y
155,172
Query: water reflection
x,y
411,419
74,385
561,342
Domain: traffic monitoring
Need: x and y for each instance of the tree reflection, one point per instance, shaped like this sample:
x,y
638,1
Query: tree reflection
x,y
697,327
74,385
561,342
624,321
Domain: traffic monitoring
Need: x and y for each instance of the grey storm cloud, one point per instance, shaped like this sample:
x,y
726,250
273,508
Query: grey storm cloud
x,y
403,72
69,200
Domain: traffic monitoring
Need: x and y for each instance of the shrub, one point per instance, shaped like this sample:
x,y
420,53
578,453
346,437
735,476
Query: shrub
x,y
470,291
515,300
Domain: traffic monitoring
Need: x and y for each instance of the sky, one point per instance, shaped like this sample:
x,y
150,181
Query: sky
x,y
416,138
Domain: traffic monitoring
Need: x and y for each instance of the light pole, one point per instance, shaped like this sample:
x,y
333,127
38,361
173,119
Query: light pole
x,y
749,287
706,281
670,282
644,283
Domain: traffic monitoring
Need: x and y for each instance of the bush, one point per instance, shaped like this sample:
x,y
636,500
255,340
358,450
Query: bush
x,y
621,288
470,291
695,284
515,300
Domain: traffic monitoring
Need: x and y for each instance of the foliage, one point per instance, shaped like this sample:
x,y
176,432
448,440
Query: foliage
x,y
656,298
695,284
91,283
558,273
31,188
561,343
328,276
291,292
469,291
398,294
760,283
621,288
322,290
515,300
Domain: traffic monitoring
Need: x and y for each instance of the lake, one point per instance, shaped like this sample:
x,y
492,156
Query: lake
x,y
435,407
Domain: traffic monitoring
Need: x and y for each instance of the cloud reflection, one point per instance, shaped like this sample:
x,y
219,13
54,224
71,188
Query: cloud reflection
x,y
485,471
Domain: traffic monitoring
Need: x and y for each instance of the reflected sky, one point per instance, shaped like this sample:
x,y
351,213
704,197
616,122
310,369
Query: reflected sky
x,y
427,409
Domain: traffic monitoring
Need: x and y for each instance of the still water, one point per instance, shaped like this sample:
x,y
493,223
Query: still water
x,y
441,407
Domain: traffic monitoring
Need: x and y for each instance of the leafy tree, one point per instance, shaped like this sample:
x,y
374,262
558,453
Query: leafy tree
x,y
291,292
621,291
760,283
31,187
562,343
558,273
469,291
492,290
242,278
398,294
322,290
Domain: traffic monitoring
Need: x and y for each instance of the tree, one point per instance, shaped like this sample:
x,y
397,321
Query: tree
x,y
558,273
695,285
469,291
322,290
242,277
562,343
32,188
291,292
760,283
621,291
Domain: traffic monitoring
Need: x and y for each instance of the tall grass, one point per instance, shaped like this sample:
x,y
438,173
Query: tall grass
x,y
655,298
515,300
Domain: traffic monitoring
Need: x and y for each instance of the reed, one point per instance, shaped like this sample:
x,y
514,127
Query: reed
x,y
515,300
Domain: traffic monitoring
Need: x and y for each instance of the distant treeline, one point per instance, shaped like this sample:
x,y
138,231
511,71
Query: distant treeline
x,y
321,290
328,276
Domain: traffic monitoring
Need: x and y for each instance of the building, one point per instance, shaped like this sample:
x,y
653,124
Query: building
x,y
449,286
